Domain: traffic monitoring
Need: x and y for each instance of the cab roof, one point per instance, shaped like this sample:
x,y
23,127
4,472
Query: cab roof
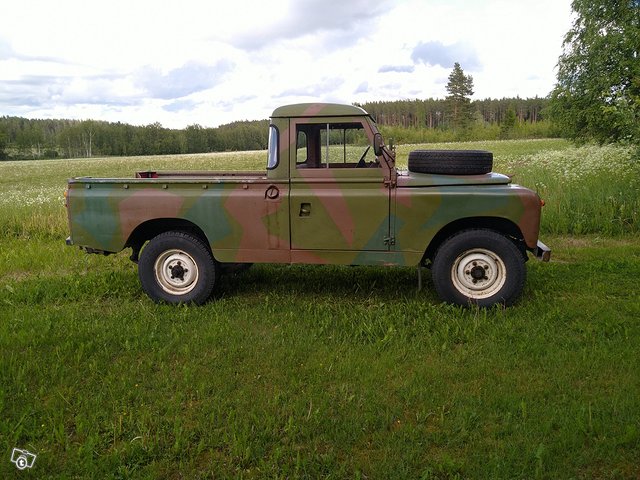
x,y
318,110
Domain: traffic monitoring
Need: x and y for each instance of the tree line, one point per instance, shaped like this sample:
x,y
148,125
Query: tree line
x,y
467,119
407,120
457,117
431,112
22,138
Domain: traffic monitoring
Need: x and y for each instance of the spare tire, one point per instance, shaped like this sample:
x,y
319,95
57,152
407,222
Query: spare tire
x,y
451,162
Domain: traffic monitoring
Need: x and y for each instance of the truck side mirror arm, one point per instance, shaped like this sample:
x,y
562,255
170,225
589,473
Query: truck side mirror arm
x,y
380,150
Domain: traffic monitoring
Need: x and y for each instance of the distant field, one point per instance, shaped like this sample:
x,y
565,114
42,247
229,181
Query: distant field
x,y
336,372
587,189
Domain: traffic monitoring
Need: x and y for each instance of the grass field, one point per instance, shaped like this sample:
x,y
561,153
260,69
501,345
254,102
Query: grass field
x,y
330,372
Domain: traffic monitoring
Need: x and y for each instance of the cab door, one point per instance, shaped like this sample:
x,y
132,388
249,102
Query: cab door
x,y
339,204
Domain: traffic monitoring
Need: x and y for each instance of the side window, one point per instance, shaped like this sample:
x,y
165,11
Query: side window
x,y
301,147
272,159
334,145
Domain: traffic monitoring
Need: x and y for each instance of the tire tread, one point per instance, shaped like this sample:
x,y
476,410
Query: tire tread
x,y
451,162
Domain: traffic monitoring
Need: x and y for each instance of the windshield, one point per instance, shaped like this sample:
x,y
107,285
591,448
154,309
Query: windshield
x,y
333,145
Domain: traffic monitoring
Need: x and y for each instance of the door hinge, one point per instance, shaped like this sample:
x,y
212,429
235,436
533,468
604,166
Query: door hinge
x,y
389,241
390,183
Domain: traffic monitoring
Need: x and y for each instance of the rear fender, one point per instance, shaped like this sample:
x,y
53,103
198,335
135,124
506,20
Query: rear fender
x,y
151,228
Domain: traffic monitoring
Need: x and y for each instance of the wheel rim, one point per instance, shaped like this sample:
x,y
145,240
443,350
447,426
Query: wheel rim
x,y
176,272
478,273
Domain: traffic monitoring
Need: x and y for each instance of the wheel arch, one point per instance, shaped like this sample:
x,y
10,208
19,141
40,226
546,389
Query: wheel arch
x,y
151,228
500,225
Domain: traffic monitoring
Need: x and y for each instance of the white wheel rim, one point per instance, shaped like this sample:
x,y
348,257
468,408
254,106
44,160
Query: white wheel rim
x,y
478,273
176,272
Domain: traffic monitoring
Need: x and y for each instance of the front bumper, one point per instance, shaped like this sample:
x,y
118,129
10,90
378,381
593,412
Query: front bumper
x,y
542,252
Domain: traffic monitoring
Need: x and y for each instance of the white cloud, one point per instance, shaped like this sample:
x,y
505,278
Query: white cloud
x,y
179,82
436,53
319,89
215,62
335,20
396,69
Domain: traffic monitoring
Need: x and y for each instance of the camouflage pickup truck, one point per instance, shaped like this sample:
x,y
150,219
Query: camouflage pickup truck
x,y
330,194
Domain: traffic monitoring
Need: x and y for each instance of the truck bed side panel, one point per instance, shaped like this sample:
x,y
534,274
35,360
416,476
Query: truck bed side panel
x,y
240,223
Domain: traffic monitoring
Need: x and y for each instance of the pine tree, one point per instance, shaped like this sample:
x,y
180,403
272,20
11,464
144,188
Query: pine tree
x,y
509,123
458,102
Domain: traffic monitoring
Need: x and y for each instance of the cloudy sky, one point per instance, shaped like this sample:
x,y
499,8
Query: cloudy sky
x,y
213,62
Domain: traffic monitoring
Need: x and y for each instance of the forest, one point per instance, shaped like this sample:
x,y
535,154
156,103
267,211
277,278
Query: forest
x,y
407,121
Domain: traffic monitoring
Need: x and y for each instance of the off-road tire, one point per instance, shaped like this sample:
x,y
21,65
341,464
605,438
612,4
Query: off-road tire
x,y
479,267
177,267
451,162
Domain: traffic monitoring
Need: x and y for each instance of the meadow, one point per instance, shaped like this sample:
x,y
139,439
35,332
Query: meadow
x,y
326,372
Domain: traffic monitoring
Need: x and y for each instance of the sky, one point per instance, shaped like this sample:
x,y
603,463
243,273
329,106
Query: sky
x,y
210,62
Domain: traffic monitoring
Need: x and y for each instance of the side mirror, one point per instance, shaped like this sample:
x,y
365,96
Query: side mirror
x,y
378,143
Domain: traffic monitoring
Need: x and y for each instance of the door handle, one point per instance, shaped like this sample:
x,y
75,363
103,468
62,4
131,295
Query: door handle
x,y
305,209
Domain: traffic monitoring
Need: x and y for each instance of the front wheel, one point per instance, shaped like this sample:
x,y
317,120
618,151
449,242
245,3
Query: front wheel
x,y
479,267
177,267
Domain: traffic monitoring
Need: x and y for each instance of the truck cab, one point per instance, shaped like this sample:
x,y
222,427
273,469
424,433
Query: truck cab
x,y
339,196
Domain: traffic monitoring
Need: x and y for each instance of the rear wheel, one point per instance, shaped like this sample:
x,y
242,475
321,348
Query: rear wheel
x,y
177,267
480,267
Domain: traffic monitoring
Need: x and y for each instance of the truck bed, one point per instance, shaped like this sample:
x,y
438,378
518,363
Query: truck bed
x,y
181,177
198,174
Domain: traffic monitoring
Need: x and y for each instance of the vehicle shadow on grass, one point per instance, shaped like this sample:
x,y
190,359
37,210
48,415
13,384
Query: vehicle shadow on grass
x,y
354,282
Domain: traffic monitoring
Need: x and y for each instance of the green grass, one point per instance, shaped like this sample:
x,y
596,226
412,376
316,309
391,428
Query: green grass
x,y
308,372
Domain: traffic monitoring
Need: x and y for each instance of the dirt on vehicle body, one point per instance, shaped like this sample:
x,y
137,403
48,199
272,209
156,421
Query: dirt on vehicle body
x,y
331,194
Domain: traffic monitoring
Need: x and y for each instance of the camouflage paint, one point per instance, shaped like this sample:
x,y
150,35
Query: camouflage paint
x,y
235,215
344,212
363,216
